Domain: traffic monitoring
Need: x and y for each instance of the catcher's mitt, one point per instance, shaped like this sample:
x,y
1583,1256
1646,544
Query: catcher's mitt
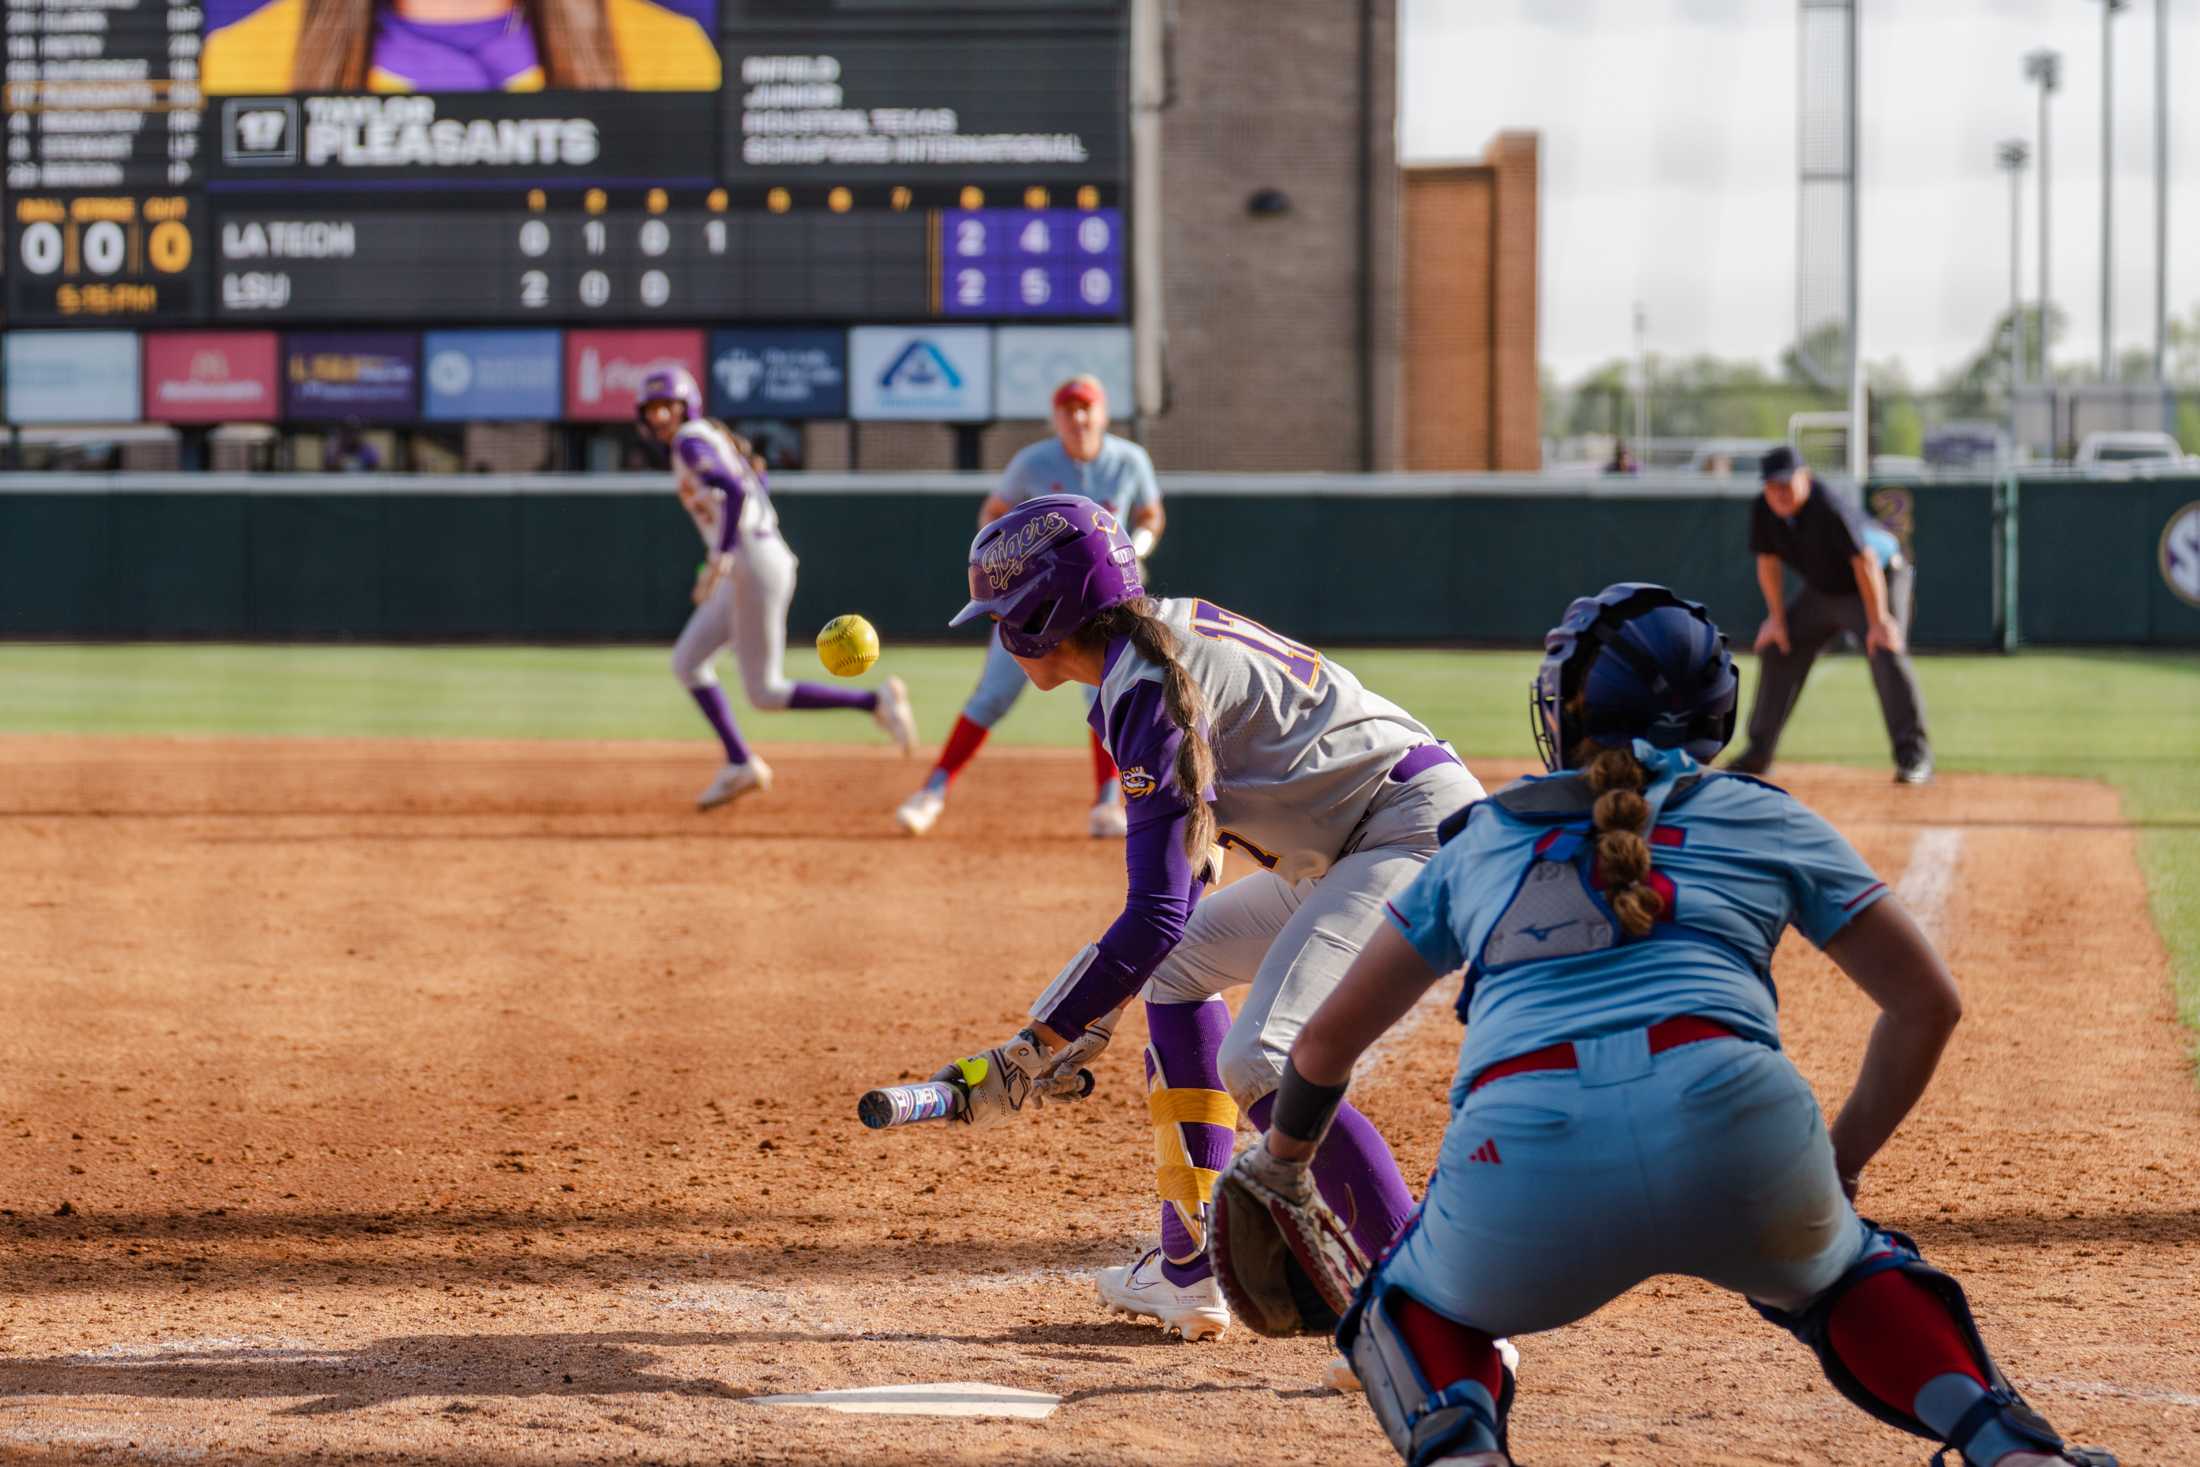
x,y
1286,1263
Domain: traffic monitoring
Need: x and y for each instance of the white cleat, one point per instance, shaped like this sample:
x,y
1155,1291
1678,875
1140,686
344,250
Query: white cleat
x,y
734,781
1195,1311
1339,1376
921,811
1108,821
895,715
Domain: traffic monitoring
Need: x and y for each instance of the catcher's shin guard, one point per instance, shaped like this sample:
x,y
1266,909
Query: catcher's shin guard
x,y
1425,1424
2000,1405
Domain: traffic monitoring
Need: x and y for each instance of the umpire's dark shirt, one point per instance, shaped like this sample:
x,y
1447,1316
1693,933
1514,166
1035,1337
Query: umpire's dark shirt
x,y
1825,536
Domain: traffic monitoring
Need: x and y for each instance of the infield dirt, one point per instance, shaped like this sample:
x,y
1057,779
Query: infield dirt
x,y
457,1102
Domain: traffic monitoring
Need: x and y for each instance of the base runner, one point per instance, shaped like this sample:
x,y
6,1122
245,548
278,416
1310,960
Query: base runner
x,y
742,590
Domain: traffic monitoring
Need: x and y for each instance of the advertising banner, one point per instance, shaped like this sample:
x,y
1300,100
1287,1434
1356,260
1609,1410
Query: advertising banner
x,y
211,377
779,374
936,374
492,376
329,376
72,376
1029,362
604,369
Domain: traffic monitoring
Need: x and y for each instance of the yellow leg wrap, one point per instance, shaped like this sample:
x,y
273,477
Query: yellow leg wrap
x,y
1180,1184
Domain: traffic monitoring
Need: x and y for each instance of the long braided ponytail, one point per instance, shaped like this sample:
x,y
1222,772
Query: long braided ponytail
x,y
1623,855
1155,641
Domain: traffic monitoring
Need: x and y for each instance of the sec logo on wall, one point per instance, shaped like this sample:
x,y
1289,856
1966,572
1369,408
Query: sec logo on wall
x,y
2179,554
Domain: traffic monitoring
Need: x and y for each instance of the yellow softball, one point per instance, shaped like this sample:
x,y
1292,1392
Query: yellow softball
x,y
847,646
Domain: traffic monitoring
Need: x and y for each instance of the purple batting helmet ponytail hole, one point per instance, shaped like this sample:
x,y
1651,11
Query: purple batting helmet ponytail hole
x,y
1046,568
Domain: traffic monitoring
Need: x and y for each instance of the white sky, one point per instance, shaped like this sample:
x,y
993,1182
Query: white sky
x,y
1669,155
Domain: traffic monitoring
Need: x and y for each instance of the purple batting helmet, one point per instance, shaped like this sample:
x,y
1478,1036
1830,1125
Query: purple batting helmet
x,y
668,384
1046,568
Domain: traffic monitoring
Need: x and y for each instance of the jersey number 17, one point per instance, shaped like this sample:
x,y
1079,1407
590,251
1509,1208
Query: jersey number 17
x,y
1300,662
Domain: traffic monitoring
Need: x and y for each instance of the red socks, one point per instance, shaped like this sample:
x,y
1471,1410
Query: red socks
x,y
1103,768
967,738
962,746
1449,1352
1895,1334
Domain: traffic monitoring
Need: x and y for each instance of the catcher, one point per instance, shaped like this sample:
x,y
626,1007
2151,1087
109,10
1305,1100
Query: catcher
x,y
1622,1107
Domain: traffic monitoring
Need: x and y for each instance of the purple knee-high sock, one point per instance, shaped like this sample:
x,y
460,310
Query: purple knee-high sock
x,y
1186,1043
1358,1176
711,698
817,695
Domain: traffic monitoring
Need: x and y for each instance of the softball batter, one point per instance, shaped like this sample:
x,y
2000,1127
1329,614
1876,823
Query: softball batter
x,y
743,589
1224,731
1622,1107
1081,458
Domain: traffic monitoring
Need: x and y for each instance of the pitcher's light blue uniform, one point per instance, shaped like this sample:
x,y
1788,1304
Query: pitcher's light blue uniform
x,y
1120,476
1558,1190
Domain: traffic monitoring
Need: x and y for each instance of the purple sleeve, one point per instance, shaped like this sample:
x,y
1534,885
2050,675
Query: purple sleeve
x,y
703,459
1162,883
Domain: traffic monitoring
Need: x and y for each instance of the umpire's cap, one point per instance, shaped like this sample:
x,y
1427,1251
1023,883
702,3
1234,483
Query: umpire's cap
x,y
1777,464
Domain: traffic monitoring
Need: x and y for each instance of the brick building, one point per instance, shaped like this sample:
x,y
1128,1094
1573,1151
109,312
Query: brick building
x,y
1472,398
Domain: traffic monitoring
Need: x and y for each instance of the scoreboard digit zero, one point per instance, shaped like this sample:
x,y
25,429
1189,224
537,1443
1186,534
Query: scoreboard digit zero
x,y
804,160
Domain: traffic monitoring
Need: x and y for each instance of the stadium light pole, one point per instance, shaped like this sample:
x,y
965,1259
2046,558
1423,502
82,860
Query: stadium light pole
x,y
2109,10
2012,156
2044,67
2161,191
1860,451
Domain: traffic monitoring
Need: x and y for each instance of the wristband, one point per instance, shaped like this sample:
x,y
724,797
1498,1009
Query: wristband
x,y
1142,542
1304,1109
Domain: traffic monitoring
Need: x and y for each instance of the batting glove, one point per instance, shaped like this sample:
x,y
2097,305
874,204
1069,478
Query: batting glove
x,y
1059,1076
1000,1082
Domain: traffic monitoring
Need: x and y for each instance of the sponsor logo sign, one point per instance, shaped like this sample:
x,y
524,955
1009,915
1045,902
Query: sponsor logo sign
x,y
329,376
604,369
72,377
937,374
211,377
779,374
492,376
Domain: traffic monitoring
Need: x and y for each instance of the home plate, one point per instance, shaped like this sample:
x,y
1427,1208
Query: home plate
x,y
940,1398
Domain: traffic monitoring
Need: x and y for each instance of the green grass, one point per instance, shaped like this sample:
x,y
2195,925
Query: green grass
x,y
2130,719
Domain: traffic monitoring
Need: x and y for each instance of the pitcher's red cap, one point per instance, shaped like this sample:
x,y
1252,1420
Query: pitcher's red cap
x,y
1079,391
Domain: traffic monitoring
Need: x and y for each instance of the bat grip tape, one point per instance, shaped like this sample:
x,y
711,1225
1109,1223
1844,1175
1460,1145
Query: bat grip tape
x,y
1304,1109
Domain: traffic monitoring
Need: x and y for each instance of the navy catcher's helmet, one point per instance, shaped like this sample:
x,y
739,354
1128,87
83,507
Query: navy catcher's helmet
x,y
1657,669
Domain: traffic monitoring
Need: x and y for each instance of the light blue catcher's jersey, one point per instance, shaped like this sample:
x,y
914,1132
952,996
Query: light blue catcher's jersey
x,y
1738,862
1120,476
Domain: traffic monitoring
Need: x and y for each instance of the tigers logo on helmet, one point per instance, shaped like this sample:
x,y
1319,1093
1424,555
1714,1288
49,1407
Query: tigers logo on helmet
x,y
1004,560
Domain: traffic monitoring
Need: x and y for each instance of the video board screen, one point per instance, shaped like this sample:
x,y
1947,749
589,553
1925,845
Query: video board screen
x,y
290,162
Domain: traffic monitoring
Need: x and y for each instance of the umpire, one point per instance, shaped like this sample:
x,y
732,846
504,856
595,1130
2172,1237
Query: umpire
x,y
1855,579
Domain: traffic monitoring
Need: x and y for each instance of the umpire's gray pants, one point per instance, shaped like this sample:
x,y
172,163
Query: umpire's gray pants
x,y
1815,618
1293,941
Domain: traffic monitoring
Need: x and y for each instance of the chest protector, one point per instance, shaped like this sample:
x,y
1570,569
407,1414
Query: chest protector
x,y
1555,910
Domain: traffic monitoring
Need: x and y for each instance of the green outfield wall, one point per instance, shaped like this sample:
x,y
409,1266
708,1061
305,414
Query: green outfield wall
x,y
1385,559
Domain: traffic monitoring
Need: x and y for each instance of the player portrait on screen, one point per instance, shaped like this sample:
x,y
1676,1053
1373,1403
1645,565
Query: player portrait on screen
x,y
460,46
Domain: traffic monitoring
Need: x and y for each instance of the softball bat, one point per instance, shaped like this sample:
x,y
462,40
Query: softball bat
x,y
931,1100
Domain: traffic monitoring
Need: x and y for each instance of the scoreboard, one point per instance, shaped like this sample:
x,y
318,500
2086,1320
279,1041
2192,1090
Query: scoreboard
x,y
818,160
